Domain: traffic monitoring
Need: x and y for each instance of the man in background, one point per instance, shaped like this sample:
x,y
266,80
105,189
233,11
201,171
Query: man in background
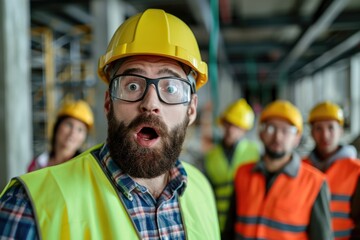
x,y
279,197
223,159
339,163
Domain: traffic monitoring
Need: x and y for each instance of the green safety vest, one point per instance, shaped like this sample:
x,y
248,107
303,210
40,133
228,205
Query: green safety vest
x,y
76,200
221,173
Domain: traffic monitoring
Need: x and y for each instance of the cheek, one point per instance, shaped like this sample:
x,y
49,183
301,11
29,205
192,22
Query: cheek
x,y
82,140
266,138
124,112
82,135
238,132
63,130
79,138
295,141
291,144
318,135
173,117
336,137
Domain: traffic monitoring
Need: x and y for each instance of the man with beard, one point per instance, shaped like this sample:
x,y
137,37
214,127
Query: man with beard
x,y
133,186
278,197
340,165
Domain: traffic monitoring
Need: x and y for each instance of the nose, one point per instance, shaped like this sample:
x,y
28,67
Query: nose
x,y
151,102
72,130
325,134
278,134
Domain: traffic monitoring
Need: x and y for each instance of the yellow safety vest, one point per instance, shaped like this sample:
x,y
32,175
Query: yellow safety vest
x,y
76,200
222,174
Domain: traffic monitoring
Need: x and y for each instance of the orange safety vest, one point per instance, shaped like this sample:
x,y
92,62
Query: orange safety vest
x,y
282,213
342,177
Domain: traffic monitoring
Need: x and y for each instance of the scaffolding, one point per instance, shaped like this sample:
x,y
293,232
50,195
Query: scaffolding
x,y
61,68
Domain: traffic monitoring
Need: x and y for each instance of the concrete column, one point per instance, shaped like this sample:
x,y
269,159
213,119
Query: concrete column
x,y
15,90
355,96
107,17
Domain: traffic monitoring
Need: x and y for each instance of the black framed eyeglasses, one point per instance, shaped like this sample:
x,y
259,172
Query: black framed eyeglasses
x,y
133,88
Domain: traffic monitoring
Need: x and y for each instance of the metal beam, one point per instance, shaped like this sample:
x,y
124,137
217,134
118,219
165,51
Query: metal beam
x,y
310,35
51,21
201,11
78,13
330,55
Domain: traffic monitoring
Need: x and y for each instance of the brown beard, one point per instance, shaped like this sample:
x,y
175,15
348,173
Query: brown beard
x,y
138,161
274,155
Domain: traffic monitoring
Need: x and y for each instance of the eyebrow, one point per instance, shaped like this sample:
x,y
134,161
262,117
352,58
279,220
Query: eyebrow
x,y
170,72
162,71
134,71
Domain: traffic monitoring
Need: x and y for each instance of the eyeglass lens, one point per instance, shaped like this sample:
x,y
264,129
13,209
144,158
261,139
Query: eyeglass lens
x,y
133,88
271,129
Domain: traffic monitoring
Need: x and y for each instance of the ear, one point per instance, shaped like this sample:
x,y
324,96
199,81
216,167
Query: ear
x,y
107,102
312,131
192,108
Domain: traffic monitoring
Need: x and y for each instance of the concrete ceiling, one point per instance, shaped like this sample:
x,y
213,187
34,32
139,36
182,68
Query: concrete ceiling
x,y
260,41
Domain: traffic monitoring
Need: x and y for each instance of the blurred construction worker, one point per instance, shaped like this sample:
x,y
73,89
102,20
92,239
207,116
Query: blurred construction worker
x,y
221,161
74,120
279,197
340,166
132,186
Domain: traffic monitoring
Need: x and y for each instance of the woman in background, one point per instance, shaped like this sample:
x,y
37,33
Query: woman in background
x,y
73,122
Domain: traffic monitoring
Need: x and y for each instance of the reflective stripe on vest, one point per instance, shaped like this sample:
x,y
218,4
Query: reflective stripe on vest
x,y
221,174
83,204
342,177
282,213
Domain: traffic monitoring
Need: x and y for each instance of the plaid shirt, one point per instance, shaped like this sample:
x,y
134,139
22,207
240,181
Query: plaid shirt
x,y
153,218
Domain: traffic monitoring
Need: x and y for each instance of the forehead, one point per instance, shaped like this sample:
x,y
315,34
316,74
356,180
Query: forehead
x,y
72,120
324,123
280,122
151,64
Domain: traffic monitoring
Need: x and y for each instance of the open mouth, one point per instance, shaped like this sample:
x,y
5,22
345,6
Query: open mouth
x,y
148,133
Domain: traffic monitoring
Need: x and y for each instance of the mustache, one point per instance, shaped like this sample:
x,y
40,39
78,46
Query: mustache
x,y
151,121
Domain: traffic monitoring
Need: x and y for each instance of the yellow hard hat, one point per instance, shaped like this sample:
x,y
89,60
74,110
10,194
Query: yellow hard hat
x,y
240,114
325,111
155,32
79,110
285,110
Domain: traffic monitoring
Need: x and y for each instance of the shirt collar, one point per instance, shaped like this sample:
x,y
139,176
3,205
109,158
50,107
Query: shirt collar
x,y
291,168
125,184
